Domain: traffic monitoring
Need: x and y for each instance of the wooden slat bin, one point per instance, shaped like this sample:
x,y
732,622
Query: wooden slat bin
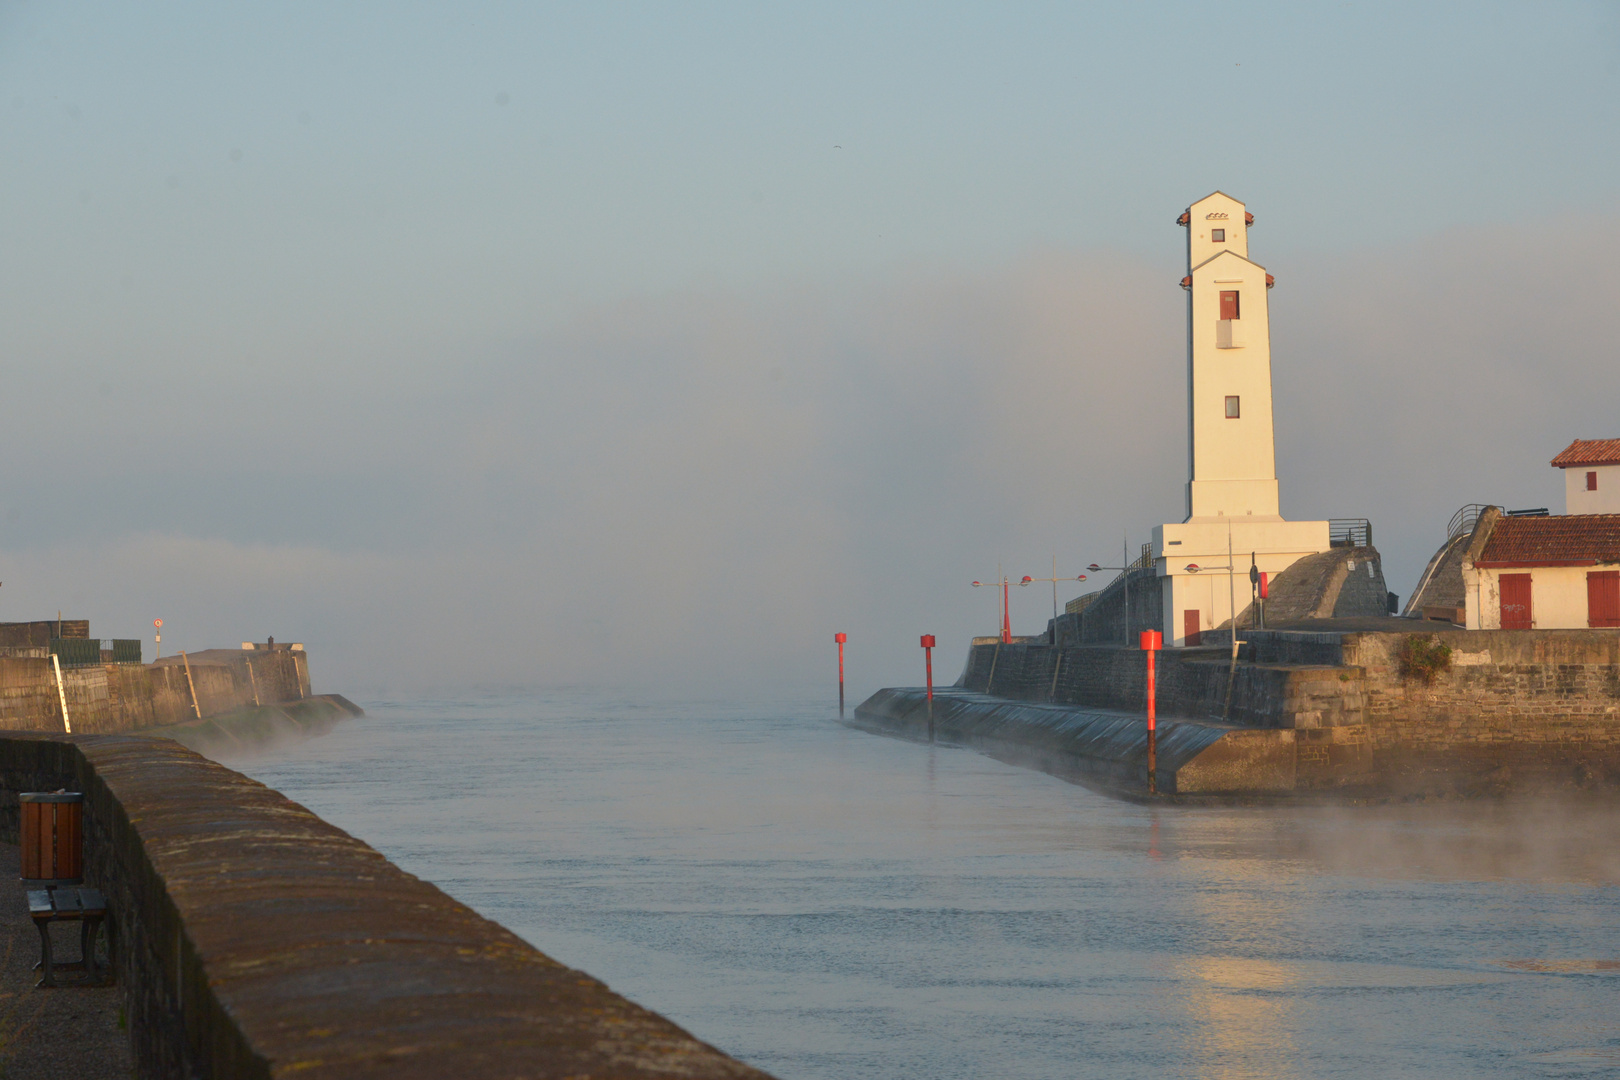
x,y
52,837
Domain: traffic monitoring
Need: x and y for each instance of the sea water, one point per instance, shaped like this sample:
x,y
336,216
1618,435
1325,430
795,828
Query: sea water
x,y
826,903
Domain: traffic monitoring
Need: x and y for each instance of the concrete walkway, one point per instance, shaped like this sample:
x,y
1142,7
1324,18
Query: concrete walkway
x,y
73,1032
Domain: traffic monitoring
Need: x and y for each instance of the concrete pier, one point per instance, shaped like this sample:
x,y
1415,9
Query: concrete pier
x,y
1101,747
1322,711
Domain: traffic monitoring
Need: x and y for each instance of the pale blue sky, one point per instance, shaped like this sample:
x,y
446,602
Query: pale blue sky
x,y
394,282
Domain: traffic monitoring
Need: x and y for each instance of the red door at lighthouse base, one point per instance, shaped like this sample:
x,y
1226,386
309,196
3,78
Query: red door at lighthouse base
x,y
1191,629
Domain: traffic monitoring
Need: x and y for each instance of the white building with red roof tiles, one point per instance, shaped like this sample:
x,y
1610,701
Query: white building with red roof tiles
x,y
1591,476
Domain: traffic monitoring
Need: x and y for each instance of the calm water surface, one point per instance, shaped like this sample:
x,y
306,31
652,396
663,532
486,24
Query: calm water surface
x,y
826,903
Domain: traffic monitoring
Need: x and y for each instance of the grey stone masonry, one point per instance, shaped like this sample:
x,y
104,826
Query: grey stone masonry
x,y
1501,687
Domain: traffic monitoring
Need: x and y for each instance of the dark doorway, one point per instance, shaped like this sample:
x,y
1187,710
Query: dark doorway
x,y
1191,629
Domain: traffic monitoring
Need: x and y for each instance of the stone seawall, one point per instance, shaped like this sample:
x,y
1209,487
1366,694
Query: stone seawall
x,y
1192,683
1502,687
1513,709
253,939
128,697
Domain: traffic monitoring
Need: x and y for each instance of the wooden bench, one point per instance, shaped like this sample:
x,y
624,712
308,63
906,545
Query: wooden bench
x,y
87,907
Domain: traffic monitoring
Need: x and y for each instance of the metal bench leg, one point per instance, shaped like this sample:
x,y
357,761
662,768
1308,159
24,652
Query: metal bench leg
x,y
87,945
45,952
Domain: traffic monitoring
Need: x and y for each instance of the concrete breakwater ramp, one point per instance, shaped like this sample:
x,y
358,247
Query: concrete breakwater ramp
x,y
1104,747
1310,711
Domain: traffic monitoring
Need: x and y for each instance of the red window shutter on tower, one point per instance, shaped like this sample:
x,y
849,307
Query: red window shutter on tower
x,y
1229,303
1591,481
1603,598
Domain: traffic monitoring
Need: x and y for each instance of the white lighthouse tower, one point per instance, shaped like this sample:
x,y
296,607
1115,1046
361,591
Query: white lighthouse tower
x,y
1232,499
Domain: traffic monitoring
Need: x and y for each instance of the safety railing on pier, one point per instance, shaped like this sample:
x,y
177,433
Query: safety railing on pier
x,y
94,652
1349,532
1464,520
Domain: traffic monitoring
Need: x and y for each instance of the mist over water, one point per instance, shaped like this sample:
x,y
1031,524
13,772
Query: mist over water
x,y
826,903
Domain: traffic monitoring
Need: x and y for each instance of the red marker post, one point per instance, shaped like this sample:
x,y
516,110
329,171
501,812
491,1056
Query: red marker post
x,y
1152,642
158,623
840,638
928,662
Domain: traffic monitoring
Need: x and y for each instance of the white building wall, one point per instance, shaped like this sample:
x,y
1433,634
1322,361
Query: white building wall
x,y
1557,596
1232,494
1233,467
1605,500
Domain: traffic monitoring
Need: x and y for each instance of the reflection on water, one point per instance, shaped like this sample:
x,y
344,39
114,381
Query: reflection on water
x,y
827,903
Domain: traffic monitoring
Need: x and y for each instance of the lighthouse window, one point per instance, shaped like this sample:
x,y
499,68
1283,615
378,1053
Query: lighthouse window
x,y
1218,235
1229,303
1232,411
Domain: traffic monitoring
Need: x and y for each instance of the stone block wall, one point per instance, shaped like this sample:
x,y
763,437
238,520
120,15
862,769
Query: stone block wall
x,y
253,939
1102,621
126,697
1192,683
1503,686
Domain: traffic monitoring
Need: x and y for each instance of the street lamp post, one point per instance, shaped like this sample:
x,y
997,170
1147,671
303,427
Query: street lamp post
x,y
1094,568
1054,579
1006,614
1231,600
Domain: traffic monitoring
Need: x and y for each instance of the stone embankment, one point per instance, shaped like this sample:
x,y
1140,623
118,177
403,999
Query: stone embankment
x,y
111,698
253,939
1505,709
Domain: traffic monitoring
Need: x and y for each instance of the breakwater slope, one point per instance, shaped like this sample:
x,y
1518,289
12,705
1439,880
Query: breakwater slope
x,y
253,939
1097,746
1484,712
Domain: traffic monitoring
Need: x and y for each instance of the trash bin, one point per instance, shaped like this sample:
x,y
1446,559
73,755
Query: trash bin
x,y
52,837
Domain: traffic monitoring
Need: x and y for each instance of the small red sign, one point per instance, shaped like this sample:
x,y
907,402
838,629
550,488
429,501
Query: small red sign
x,y
928,641
158,623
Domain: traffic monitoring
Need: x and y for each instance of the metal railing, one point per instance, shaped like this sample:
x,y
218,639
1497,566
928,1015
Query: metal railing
x,y
1464,520
94,652
1349,532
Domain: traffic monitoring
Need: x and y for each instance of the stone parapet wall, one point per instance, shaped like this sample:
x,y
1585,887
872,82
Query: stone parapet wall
x,y
1521,687
253,939
127,697
1502,687
1103,621
1192,683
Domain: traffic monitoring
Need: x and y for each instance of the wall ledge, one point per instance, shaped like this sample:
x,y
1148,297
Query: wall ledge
x,y
256,940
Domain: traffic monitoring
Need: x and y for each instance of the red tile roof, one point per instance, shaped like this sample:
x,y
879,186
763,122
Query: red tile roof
x,y
1567,540
1589,452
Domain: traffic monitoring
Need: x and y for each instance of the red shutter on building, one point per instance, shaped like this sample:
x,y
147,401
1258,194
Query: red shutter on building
x,y
1190,627
1515,601
1591,481
1603,598
1229,304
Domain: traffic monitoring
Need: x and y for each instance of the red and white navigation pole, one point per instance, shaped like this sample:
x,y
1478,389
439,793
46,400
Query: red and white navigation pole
x,y
928,661
1152,642
840,638
158,623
